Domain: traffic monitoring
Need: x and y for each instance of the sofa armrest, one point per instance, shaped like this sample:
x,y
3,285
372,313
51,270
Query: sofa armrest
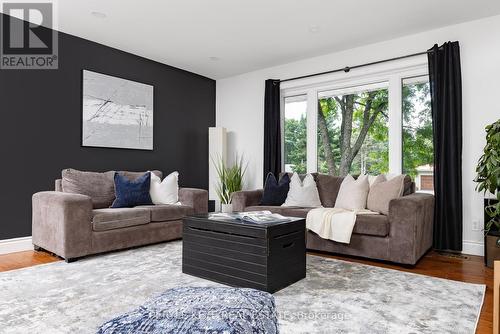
x,y
195,198
411,220
61,223
242,199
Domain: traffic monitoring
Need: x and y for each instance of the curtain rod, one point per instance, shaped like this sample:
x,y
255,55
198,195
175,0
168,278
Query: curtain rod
x,y
348,68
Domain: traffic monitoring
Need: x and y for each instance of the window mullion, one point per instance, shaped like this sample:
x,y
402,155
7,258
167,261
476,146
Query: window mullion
x,y
395,125
312,124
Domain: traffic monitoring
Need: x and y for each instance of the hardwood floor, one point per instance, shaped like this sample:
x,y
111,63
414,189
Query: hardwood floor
x,y
25,259
468,268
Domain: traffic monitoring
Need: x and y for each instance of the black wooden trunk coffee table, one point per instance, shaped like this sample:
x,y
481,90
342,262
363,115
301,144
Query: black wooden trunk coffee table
x,y
266,256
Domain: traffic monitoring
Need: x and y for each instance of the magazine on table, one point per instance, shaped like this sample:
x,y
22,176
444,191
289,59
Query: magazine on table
x,y
257,217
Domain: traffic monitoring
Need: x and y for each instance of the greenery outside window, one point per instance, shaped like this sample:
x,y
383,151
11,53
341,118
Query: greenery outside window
x,y
418,148
353,132
295,134
366,122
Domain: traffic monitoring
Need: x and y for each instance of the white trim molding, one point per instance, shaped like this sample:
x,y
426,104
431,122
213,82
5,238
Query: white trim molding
x,y
473,247
15,245
25,244
386,76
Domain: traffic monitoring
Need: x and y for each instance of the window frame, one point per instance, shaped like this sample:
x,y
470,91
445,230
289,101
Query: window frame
x,y
392,73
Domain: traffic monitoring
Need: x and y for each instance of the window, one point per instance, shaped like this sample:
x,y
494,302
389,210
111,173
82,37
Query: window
x,y
295,143
374,121
418,147
353,131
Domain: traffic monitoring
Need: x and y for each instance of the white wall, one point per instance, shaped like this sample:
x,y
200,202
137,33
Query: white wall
x,y
240,100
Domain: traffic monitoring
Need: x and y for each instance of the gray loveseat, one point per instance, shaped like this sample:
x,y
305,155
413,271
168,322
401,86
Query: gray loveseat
x,y
403,236
73,225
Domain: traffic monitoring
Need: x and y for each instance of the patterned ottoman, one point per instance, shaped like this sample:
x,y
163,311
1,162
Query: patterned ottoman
x,y
200,310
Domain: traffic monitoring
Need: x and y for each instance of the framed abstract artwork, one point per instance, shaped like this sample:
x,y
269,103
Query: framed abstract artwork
x,y
116,112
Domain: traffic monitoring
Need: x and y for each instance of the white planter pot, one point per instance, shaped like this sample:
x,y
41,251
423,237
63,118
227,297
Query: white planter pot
x,y
226,208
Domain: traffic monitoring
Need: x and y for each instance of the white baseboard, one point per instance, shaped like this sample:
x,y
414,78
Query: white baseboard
x,y
25,244
473,248
15,245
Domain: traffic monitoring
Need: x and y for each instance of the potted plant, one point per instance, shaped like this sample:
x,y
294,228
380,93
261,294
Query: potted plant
x,y
230,181
488,181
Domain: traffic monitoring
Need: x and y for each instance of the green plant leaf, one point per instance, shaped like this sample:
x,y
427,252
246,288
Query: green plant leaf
x,y
488,173
230,178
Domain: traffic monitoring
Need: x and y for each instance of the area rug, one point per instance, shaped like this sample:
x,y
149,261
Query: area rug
x,y
335,297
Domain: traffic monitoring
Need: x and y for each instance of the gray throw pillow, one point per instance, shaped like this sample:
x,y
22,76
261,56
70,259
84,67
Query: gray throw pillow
x,y
100,187
382,192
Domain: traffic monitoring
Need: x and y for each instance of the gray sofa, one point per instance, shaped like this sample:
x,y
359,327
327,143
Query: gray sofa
x,y
72,225
403,236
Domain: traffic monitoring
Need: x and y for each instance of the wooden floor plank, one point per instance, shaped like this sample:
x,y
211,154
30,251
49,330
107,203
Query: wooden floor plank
x,y
469,269
25,259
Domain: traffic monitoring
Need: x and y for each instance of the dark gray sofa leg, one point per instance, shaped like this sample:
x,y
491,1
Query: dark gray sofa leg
x,y
37,248
71,260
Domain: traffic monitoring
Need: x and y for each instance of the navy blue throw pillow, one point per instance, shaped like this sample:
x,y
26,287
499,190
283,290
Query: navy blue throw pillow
x,y
131,193
275,192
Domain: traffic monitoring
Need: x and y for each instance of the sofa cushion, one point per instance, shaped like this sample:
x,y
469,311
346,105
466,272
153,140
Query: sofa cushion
x,y
376,225
166,191
273,209
409,185
98,186
167,212
328,188
295,212
375,179
303,192
110,218
131,193
353,193
135,175
383,192
275,192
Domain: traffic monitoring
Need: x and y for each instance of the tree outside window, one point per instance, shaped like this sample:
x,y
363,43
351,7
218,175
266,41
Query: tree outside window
x,y
353,133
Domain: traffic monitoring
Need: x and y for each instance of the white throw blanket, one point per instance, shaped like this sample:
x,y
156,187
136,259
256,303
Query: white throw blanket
x,y
334,223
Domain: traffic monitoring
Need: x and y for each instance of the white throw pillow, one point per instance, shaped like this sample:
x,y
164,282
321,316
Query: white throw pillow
x,y
166,191
302,193
371,179
353,193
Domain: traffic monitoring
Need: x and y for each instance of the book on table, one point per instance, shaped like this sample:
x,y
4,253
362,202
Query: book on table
x,y
257,217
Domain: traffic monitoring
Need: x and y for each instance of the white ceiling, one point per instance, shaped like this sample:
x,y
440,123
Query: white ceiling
x,y
246,35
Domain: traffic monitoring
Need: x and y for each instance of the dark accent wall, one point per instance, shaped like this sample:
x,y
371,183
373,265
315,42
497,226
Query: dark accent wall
x,y
40,133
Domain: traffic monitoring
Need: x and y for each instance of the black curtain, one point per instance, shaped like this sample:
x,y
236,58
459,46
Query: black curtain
x,y
446,95
272,128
